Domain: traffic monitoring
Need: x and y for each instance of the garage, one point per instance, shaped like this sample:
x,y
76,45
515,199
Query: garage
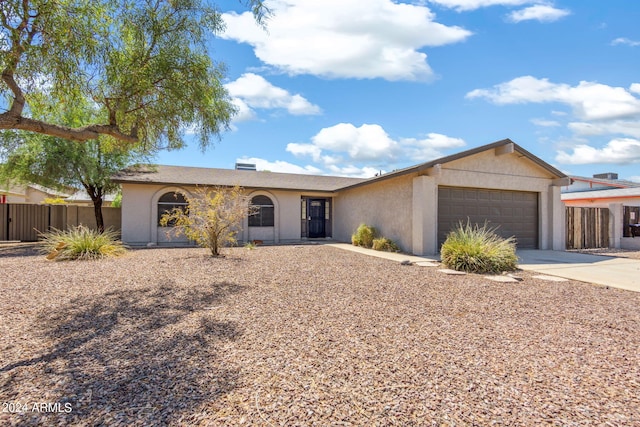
x,y
515,212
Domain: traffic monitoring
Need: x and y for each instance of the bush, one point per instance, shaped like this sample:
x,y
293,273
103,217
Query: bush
x,y
364,236
81,243
476,249
384,244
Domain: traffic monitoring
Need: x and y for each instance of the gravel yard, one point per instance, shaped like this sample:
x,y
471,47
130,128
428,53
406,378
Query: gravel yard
x,y
307,335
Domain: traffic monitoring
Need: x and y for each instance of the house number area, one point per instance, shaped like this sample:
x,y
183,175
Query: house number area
x,y
18,407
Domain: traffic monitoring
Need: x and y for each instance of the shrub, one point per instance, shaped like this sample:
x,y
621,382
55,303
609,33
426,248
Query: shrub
x,y
476,249
214,217
81,243
384,244
364,236
117,200
54,201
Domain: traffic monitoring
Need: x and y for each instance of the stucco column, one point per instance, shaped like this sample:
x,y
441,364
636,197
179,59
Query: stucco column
x,y
616,218
557,222
425,216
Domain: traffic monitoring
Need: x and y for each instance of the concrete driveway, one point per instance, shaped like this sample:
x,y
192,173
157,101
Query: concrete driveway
x,y
623,273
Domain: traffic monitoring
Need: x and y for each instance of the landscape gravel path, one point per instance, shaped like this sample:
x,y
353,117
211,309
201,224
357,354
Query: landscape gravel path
x,y
307,336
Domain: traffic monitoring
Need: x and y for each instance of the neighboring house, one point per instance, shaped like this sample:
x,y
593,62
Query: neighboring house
x,y
81,198
28,193
603,198
500,183
603,181
624,210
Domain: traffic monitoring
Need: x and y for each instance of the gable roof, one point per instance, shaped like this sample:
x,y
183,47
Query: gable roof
x,y
447,159
183,175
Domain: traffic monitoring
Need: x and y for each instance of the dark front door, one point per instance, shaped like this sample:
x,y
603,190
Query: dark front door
x,y
316,218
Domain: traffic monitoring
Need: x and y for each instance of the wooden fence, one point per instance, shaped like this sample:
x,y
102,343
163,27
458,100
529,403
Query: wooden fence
x,y
587,228
631,216
23,222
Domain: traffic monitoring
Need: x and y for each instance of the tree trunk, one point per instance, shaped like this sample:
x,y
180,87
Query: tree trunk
x,y
97,209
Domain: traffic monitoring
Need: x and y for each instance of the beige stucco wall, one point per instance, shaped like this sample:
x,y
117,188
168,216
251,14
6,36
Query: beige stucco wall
x,y
405,209
386,205
139,215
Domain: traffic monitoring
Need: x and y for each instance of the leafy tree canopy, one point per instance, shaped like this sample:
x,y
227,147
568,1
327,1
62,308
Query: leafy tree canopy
x,y
62,163
144,64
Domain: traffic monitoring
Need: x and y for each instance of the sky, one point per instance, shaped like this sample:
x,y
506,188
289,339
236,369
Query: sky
x,y
355,88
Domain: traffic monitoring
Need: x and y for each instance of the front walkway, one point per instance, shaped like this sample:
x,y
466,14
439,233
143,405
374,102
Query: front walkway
x,y
387,255
623,273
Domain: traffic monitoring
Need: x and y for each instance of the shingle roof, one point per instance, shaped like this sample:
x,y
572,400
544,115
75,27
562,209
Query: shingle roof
x,y
183,175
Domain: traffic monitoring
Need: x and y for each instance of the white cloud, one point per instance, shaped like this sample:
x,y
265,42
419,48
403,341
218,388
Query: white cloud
x,y
354,171
635,88
538,12
251,91
345,38
466,5
369,143
617,151
634,178
287,167
244,112
280,166
625,41
429,148
545,123
620,127
302,150
589,100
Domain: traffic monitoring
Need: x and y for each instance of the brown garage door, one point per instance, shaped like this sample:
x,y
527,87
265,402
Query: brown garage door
x,y
515,212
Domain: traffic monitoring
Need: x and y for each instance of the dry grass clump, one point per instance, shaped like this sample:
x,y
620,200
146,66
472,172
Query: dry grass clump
x,y
81,243
385,244
364,236
478,249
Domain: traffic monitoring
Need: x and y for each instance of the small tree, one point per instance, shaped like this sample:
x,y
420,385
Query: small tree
x,y
213,217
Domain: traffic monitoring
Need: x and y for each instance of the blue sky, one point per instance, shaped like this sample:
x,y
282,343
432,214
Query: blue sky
x,y
347,87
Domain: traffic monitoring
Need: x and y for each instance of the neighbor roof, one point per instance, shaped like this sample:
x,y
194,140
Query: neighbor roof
x,y
183,175
617,193
612,183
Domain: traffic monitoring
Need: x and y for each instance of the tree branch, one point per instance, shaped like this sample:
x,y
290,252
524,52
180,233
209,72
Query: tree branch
x,y
80,134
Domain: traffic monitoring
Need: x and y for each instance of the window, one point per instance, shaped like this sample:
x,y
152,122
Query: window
x,y
264,212
170,201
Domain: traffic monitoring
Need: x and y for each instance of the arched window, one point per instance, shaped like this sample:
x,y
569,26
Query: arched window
x,y
264,213
170,201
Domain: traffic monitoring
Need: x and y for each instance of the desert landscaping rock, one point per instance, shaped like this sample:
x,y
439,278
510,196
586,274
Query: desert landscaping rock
x,y
427,264
450,272
311,336
502,279
550,278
